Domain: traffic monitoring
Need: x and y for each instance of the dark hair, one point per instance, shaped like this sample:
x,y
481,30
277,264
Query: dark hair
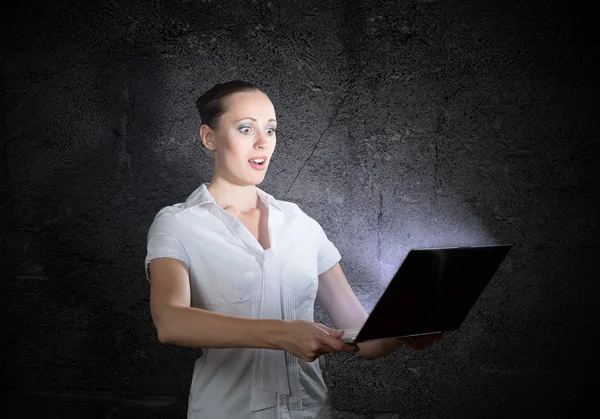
x,y
211,105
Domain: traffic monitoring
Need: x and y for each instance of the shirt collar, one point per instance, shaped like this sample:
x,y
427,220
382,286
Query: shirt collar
x,y
201,196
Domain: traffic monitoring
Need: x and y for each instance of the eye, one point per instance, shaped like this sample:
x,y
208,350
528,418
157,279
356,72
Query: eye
x,y
246,129
271,130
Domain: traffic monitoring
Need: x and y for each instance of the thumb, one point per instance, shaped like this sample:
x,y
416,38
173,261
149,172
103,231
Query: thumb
x,y
336,333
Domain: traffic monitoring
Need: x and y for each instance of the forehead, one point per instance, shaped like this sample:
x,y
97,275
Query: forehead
x,y
254,104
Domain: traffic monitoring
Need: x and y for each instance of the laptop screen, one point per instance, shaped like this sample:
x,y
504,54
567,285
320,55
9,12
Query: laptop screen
x,y
433,291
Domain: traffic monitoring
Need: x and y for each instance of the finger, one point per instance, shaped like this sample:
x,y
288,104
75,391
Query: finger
x,y
326,349
426,339
336,343
331,331
416,347
412,343
345,348
330,338
322,327
351,347
433,339
339,345
332,342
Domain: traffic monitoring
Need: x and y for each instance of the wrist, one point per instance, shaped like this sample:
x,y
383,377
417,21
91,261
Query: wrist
x,y
275,333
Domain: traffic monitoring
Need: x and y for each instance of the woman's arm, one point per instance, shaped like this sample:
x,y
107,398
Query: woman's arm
x,y
179,324
344,309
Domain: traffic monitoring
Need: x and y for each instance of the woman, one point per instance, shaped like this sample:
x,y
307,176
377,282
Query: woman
x,y
235,272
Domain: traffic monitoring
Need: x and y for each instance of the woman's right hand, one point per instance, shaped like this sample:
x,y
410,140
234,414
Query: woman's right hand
x,y
308,340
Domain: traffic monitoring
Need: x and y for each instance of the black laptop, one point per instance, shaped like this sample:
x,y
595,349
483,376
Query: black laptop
x,y
432,292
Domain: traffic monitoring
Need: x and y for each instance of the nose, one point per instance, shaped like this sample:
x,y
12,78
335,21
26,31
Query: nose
x,y
262,141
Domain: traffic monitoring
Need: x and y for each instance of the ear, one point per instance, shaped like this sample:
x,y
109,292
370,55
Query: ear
x,y
207,137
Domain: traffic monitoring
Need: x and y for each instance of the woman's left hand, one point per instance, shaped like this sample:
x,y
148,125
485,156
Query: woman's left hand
x,y
421,342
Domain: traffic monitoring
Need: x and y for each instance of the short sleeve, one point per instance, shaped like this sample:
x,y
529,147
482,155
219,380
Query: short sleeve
x,y
161,246
328,254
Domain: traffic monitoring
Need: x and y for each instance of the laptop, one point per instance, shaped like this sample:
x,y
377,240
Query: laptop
x,y
432,292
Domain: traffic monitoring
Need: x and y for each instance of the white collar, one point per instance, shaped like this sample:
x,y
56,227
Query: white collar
x,y
202,196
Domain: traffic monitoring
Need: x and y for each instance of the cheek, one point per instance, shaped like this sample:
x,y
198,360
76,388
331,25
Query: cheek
x,y
236,150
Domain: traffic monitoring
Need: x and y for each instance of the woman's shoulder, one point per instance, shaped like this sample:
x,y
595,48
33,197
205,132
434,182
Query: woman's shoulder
x,y
170,219
170,210
289,207
169,213
292,209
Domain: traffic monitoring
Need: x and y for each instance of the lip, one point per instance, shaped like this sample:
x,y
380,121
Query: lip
x,y
259,167
265,158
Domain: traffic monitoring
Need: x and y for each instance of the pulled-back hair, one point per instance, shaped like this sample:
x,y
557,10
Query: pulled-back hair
x,y
211,105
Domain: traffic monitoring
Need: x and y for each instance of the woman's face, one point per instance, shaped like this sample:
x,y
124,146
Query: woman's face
x,y
244,140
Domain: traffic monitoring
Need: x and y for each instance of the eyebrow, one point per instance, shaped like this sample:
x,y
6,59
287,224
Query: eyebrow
x,y
254,119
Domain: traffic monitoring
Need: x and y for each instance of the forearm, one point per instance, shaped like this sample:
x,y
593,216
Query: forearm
x,y
378,348
197,328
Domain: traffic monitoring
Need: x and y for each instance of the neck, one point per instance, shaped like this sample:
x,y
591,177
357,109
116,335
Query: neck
x,y
229,195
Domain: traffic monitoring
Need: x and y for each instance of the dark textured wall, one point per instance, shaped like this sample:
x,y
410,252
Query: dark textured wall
x,y
402,124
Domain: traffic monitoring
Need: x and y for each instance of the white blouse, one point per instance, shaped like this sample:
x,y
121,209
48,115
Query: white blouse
x,y
230,273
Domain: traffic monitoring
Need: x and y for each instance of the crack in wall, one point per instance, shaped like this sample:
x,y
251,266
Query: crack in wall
x,y
435,171
317,143
339,107
379,222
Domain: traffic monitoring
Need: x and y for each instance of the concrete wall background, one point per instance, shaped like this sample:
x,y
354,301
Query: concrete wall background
x,y
402,124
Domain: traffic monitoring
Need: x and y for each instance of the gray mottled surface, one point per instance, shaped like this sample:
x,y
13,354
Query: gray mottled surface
x,y
402,124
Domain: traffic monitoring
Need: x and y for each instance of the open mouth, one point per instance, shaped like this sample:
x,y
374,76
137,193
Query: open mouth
x,y
258,163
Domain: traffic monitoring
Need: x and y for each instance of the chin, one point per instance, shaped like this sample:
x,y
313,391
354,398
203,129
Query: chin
x,y
255,180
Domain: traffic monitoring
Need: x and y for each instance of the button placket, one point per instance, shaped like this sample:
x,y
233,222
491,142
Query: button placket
x,y
270,372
